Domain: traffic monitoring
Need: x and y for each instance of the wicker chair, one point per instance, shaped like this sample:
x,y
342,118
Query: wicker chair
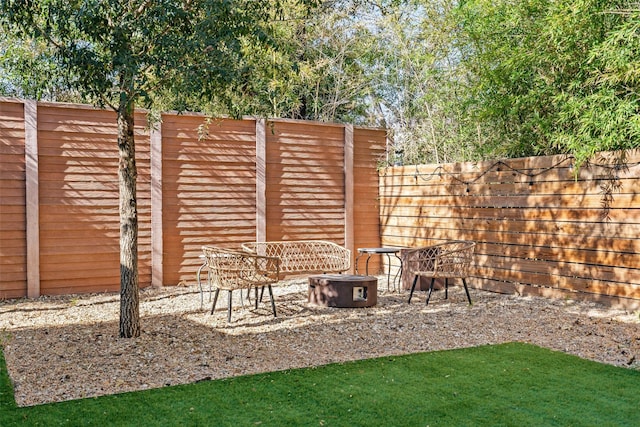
x,y
445,260
231,270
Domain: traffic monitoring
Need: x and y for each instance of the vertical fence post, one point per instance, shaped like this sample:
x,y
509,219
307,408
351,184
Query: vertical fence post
x,y
261,180
349,234
33,197
157,249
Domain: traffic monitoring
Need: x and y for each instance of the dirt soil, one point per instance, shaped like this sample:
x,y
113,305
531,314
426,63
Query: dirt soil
x,y
61,348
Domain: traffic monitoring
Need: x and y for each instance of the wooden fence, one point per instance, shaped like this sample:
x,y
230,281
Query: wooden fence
x,y
225,183
540,229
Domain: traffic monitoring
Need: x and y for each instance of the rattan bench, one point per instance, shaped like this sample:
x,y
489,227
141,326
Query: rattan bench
x,y
299,257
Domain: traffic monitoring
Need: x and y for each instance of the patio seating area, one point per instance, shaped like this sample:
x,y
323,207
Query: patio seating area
x,y
546,259
261,264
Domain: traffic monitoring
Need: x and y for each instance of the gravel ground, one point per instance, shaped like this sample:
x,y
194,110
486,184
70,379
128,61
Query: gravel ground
x,y
61,348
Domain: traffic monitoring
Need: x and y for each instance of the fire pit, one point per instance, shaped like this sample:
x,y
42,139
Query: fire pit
x,y
343,290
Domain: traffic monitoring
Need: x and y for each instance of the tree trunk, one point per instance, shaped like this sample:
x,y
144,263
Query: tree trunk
x,y
127,175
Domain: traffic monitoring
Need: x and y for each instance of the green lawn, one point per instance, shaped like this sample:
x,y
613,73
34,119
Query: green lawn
x,y
511,384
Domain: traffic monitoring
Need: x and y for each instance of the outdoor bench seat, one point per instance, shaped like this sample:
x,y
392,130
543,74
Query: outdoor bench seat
x,y
299,257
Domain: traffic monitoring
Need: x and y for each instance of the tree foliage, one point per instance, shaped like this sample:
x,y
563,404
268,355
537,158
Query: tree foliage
x,y
607,117
415,79
312,70
28,70
544,75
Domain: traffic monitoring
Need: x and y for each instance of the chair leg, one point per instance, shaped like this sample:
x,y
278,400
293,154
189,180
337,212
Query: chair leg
x,y
242,299
433,279
200,284
273,304
215,300
446,288
464,282
229,308
256,288
413,287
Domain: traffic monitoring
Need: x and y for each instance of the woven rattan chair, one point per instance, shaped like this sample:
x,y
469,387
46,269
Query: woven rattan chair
x,y
445,260
231,270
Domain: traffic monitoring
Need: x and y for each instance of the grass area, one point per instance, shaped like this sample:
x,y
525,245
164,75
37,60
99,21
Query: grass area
x,y
510,384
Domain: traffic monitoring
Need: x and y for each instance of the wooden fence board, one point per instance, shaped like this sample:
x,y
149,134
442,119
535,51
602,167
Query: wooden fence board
x,y
620,201
533,213
528,290
559,228
539,279
512,167
527,239
369,150
505,189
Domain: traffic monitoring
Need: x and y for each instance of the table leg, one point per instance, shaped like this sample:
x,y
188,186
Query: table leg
x,y
357,258
367,264
398,275
389,274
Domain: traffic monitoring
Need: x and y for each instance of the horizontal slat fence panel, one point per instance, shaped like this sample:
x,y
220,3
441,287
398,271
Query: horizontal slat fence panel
x,y
369,151
197,184
209,189
541,229
13,225
79,214
313,186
